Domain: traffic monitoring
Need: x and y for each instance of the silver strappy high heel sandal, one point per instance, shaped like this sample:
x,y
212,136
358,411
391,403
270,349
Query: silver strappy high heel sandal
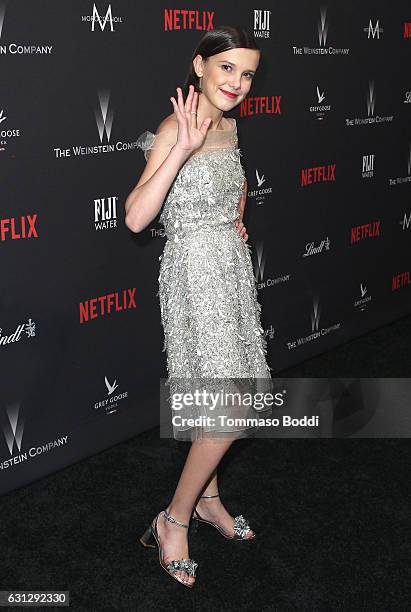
x,y
150,538
241,527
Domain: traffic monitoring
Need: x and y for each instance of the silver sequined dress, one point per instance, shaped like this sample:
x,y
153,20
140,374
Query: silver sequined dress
x,y
207,289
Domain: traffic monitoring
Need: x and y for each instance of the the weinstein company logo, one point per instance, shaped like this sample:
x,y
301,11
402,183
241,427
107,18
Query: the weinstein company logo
x,y
105,213
17,48
364,298
261,190
104,119
322,49
400,280
316,330
311,249
368,165
188,19
368,230
29,328
13,429
104,115
102,20
261,26
370,105
111,402
260,105
373,31
318,174
6,132
403,179
18,228
320,108
107,304
259,265
157,232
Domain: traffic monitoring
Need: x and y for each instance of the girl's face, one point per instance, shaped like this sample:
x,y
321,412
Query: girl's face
x,y
229,72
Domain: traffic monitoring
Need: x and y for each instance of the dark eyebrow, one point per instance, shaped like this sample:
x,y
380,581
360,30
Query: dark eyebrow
x,y
227,62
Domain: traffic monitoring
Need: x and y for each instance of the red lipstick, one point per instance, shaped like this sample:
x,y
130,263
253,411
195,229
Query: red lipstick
x,y
228,94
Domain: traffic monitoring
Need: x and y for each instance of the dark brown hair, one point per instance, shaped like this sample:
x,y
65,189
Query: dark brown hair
x,y
216,41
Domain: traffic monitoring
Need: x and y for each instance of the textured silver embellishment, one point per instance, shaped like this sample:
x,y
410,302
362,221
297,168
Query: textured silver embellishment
x,y
187,565
207,288
241,527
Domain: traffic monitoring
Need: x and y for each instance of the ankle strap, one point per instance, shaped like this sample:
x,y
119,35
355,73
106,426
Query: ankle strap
x,y
209,496
171,519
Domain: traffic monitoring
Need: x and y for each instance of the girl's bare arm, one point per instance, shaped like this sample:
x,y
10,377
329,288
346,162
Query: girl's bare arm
x,y
145,200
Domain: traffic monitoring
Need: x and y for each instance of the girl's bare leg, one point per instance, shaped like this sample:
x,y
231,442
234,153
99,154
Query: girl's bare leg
x,y
201,462
213,509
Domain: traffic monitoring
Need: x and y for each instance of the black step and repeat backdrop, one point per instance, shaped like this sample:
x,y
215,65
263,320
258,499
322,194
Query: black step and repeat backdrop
x,y
326,141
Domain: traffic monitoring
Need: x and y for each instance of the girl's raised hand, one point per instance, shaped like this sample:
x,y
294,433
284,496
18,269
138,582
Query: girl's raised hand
x,y
190,136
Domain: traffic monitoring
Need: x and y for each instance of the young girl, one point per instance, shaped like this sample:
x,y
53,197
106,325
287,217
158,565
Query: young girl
x,y
209,308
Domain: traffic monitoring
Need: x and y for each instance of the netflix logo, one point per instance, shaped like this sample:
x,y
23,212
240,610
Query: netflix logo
x,y
317,174
368,230
407,29
184,19
15,228
262,105
400,280
107,304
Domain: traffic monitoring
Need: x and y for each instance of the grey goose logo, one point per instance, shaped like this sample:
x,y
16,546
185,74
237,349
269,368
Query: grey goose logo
x,y
320,96
13,430
104,115
110,388
112,401
361,303
319,108
1,116
260,179
373,32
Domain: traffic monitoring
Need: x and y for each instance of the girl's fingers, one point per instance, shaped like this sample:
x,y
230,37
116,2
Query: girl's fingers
x,y
189,99
180,100
176,109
